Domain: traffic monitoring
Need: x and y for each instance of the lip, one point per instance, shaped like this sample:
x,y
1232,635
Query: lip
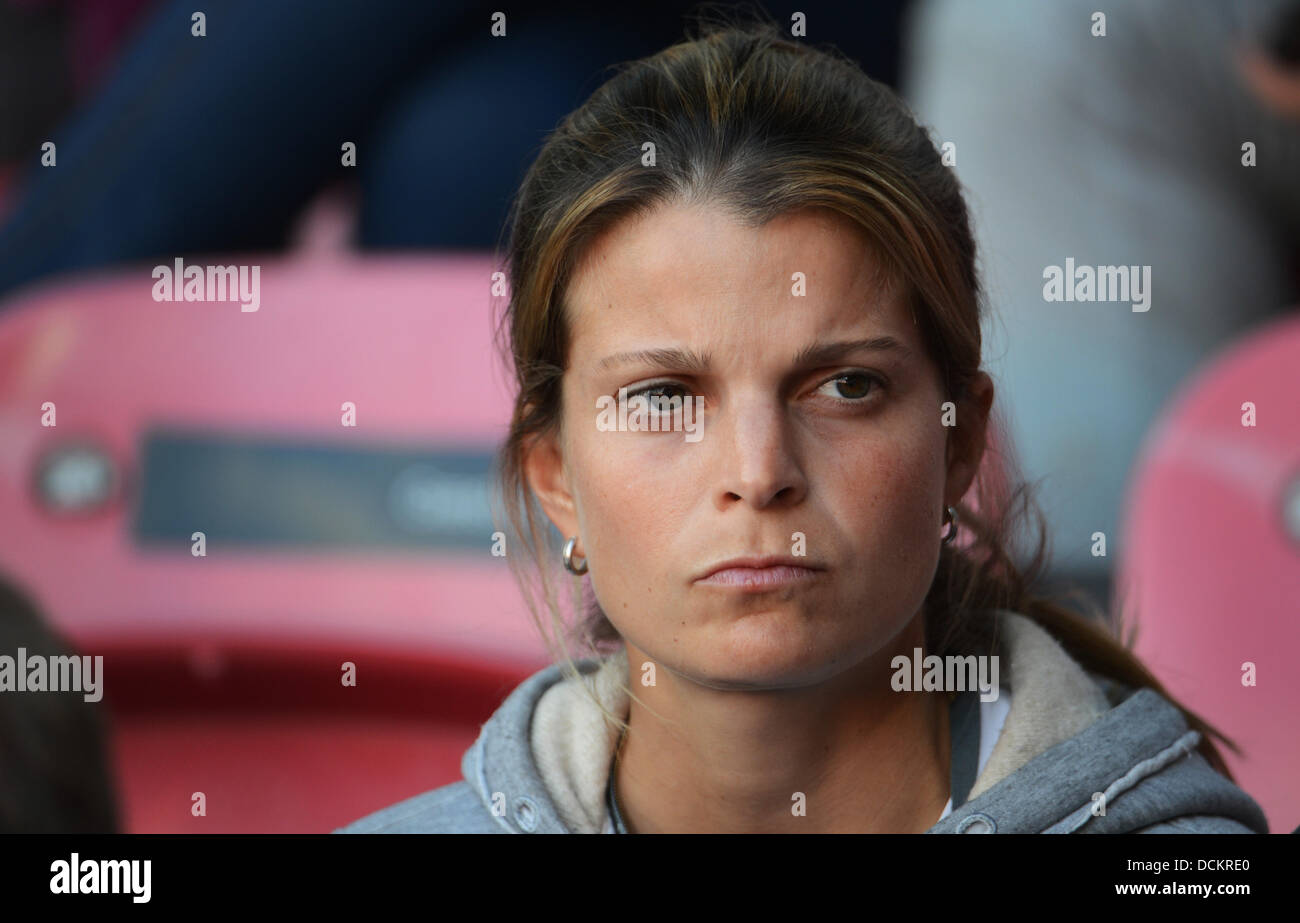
x,y
760,573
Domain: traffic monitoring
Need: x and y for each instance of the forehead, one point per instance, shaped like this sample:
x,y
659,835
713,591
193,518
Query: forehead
x,y
680,265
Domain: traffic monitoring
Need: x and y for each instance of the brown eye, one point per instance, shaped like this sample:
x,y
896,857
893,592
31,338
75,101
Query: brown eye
x,y
851,386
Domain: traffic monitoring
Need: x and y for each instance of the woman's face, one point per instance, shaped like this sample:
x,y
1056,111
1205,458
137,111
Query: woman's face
x,y
806,429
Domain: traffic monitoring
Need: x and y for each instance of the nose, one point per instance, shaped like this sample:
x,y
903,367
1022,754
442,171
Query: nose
x,y
758,460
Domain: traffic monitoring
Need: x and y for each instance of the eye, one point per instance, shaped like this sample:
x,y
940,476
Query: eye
x,y
852,387
659,390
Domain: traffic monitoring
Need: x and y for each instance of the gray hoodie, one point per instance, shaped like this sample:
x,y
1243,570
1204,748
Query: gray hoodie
x,y
541,762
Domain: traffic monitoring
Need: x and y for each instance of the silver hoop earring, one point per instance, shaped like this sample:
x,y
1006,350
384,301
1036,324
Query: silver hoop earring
x,y
951,520
580,569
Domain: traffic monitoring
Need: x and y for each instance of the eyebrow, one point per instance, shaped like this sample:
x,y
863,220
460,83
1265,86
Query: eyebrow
x,y
822,353
686,361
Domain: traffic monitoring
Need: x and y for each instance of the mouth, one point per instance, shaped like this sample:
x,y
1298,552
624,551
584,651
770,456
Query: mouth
x,y
760,574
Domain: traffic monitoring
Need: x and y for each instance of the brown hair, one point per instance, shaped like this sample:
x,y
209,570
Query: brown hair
x,y
757,124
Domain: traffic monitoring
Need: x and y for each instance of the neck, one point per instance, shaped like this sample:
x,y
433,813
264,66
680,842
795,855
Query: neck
x,y
846,756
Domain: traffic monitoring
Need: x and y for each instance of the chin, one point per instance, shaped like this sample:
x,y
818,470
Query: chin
x,y
767,650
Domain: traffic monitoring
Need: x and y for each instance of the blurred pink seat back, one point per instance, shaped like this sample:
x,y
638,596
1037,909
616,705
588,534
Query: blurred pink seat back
x,y
1210,558
439,639
406,340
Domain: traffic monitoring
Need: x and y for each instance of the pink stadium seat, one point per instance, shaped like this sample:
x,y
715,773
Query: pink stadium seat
x,y
1210,560
223,672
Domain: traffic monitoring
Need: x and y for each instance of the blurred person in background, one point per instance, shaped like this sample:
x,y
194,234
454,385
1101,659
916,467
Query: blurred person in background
x,y
55,772
1114,142
218,142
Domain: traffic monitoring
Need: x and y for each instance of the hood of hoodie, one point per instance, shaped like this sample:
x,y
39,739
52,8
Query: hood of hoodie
x,y
547,750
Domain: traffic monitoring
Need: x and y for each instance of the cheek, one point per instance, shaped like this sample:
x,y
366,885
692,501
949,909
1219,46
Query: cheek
x,y
631,510
893,491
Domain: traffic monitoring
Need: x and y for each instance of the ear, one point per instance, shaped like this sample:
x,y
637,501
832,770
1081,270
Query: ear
x,y
546,474
966,440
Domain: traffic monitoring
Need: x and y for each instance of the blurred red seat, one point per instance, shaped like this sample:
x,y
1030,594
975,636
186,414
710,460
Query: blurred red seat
x,y
325,543
1210,560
